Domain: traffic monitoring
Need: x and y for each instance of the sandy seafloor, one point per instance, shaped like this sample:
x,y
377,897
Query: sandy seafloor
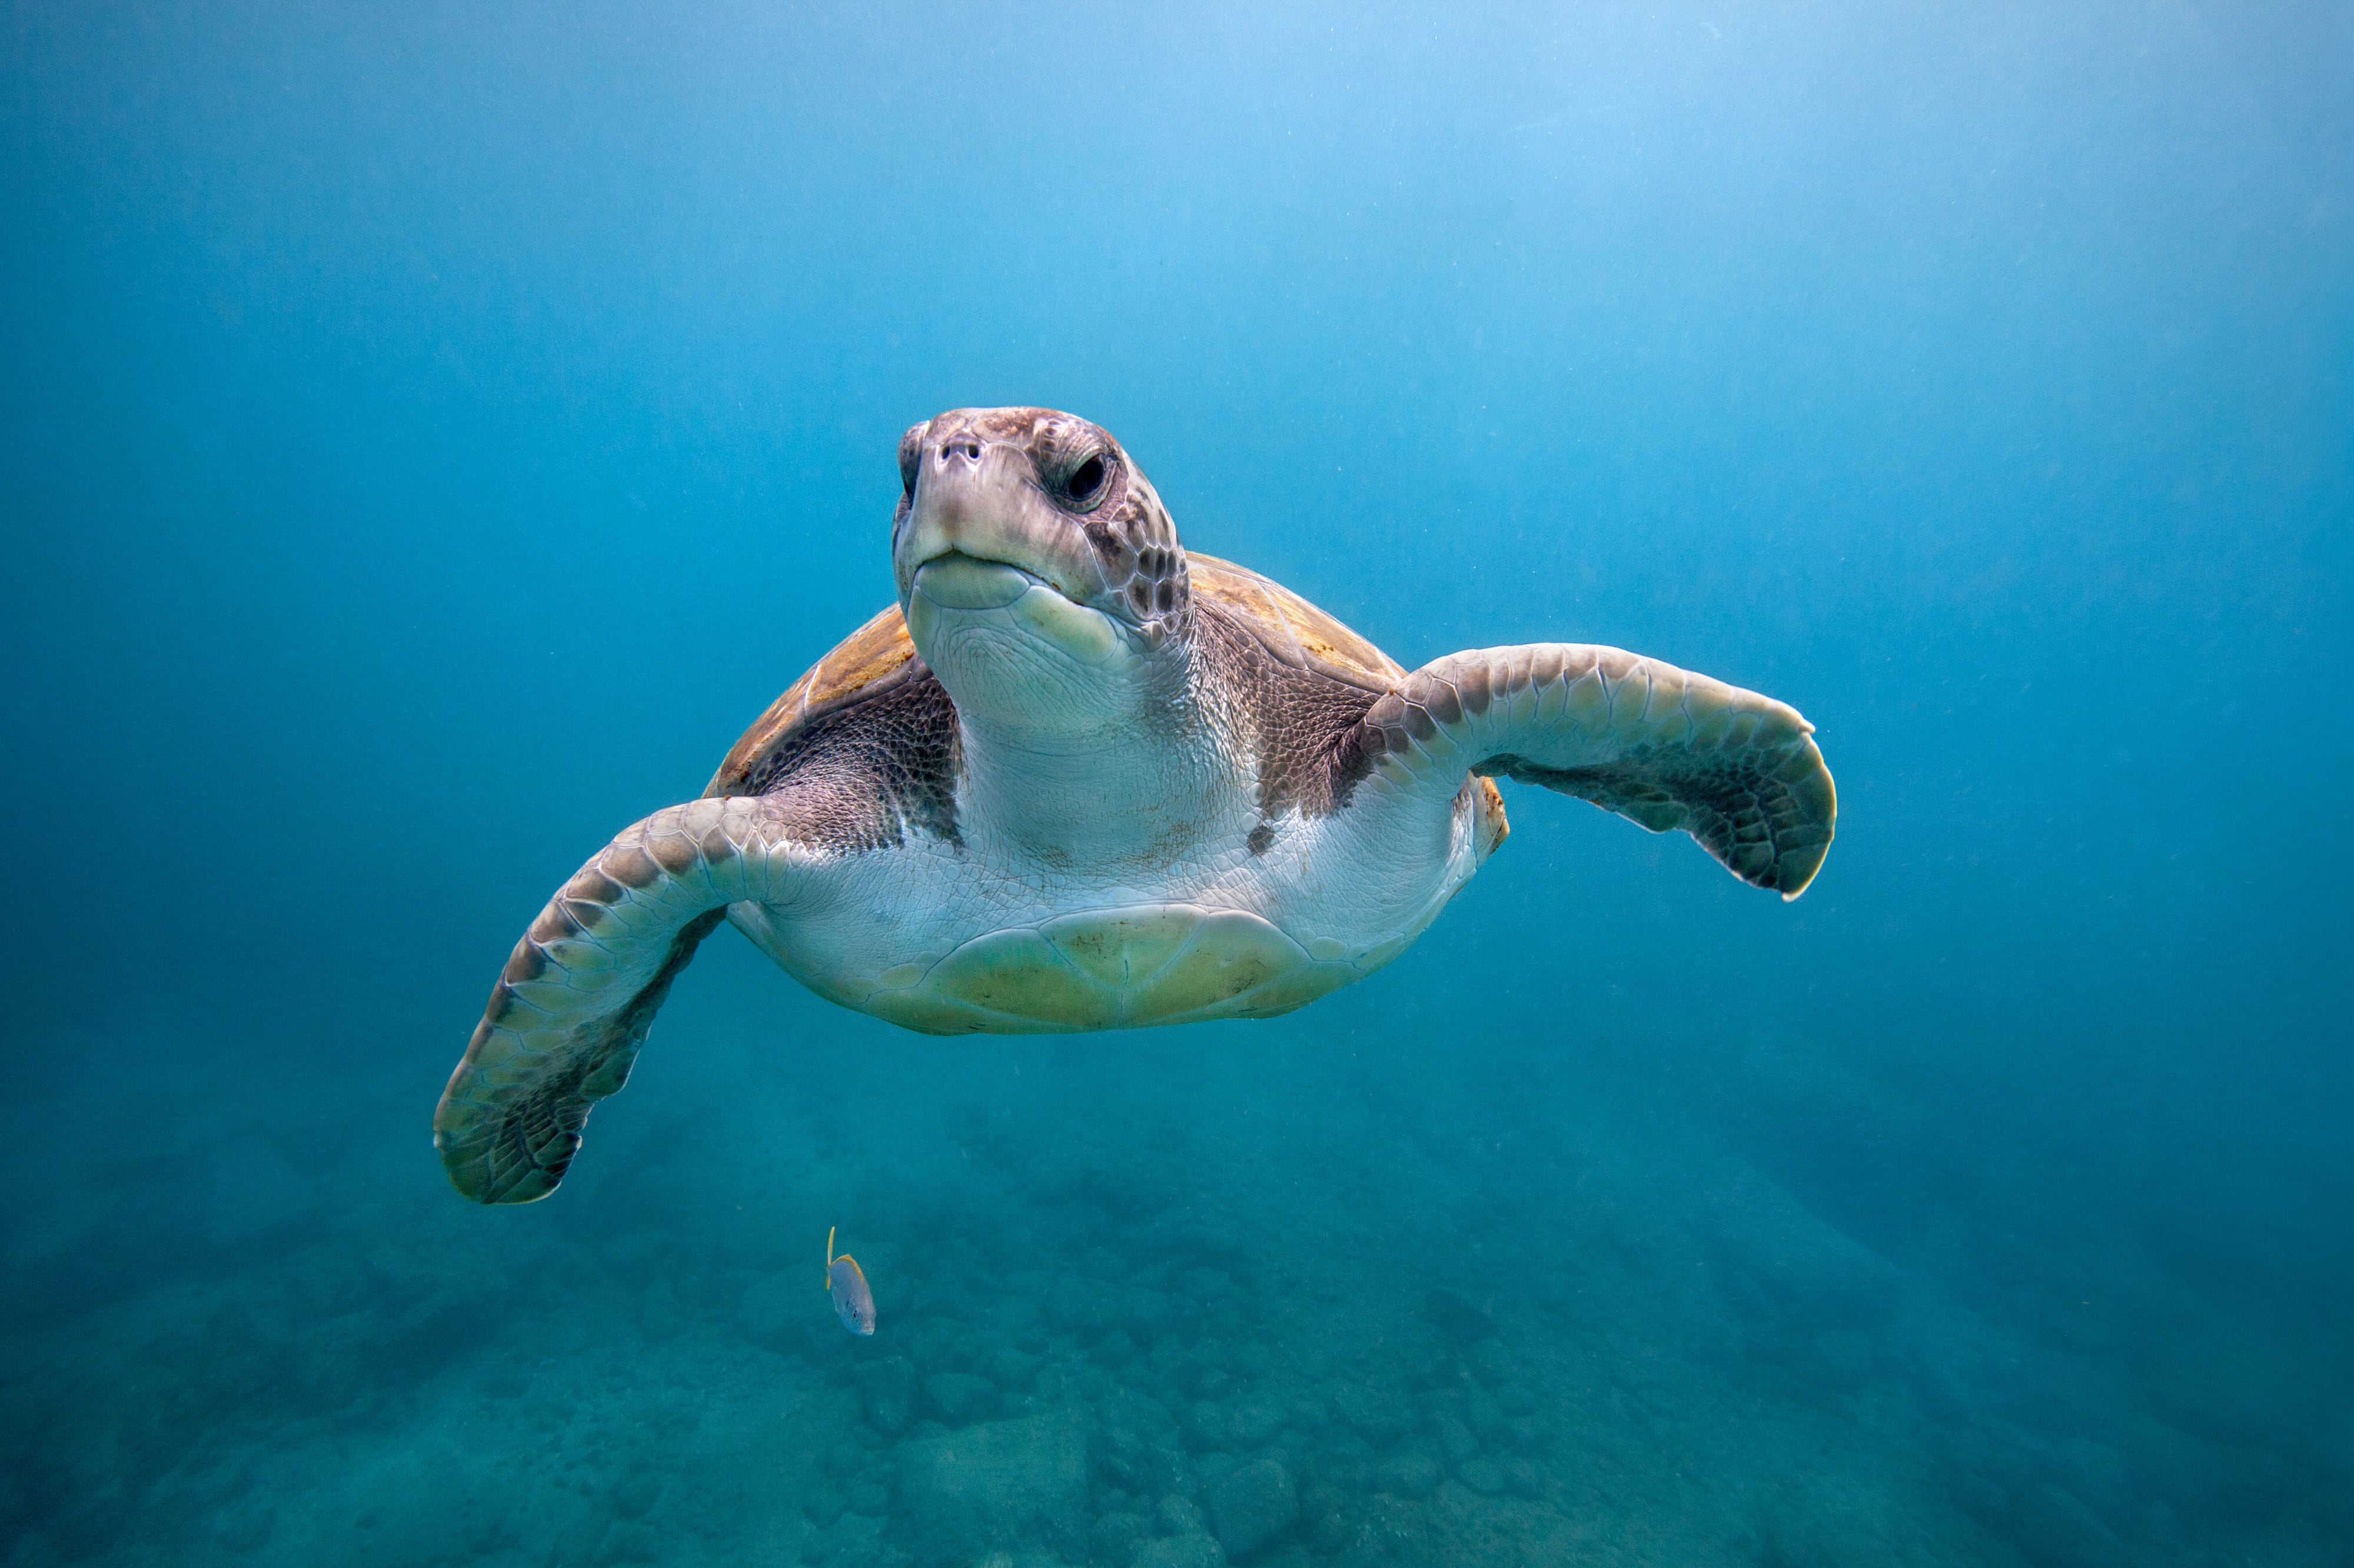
x,y
1311,1292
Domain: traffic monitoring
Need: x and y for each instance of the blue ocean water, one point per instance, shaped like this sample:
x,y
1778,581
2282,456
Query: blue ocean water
x,y
435,431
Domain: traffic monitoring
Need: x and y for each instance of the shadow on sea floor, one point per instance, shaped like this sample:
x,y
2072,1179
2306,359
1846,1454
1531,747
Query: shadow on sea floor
x,y
1269,1295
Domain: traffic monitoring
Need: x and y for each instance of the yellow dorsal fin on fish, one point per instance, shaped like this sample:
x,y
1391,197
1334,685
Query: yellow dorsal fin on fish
x,y
829,1256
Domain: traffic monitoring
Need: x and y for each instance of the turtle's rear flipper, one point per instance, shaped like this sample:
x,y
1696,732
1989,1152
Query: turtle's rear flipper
x,y
1657,745
566,1018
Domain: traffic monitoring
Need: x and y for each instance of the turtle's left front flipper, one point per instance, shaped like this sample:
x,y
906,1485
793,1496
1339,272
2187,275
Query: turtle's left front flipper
x,y
1657,745
575,1002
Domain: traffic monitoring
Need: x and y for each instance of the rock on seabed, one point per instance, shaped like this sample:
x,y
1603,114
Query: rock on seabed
x,y
1178,1552
998,1484
960,1398
1252,1504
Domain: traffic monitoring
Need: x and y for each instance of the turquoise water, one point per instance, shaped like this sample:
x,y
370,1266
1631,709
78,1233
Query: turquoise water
x,y
436,431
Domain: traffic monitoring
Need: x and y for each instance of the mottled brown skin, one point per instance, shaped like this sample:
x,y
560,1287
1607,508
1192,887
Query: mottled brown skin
x,y
1302,681
530,1147
1132,533
1765,814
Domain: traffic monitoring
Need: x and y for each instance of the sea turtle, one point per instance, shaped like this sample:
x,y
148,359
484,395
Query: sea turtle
x,y
1079,778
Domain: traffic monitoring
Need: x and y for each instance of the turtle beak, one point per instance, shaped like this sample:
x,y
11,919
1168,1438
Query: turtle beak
x,y
978,499
983,543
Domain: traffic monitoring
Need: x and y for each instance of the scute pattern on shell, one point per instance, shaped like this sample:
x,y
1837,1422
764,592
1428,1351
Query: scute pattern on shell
x,y
1297,632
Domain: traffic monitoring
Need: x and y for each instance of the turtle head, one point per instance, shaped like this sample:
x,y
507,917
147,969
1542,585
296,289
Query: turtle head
x,y
1039,573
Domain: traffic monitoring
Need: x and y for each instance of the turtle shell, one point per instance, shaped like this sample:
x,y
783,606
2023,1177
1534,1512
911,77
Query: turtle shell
x,y
880,655
1290,628
870,661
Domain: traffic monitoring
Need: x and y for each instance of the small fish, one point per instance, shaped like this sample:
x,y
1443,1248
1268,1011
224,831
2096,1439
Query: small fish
x,y
853,1302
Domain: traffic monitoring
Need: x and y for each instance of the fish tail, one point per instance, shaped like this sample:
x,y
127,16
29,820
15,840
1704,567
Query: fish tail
x,y
829,1256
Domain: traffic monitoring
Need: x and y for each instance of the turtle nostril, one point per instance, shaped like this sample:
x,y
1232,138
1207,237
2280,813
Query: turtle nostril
x,y
969,450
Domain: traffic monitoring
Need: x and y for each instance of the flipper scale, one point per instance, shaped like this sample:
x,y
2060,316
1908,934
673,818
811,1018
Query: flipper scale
x,y
571,1010
1663,748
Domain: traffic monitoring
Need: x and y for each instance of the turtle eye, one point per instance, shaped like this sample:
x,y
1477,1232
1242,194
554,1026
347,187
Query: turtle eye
x,y
1086,480
911,455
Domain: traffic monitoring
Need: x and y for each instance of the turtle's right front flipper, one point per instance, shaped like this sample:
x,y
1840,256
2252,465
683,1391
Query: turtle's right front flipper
x,y
1659,746
569,1013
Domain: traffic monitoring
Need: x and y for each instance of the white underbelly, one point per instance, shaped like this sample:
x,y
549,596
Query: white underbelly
x,y
951,940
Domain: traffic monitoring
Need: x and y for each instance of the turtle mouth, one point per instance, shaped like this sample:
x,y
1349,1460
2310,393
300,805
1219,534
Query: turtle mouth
x,y
954,580
956,596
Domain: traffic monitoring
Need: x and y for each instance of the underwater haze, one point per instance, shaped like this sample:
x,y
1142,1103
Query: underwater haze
x,y
433,432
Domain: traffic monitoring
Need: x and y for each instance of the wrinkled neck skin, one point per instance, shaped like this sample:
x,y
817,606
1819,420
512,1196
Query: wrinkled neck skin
x,y
1086,762
1042,581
